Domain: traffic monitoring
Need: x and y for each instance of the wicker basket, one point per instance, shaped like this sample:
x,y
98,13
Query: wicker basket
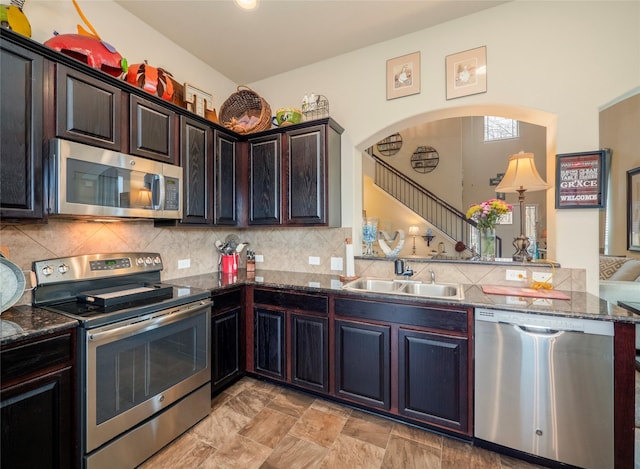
x,y
245,112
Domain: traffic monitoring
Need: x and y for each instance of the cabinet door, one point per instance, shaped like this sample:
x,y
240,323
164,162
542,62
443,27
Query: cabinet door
x,y
265,181
226,348
88,110
36,421
21,95
432,374
363,363
306,167
153,130
197,162
310,352
269,343
225,177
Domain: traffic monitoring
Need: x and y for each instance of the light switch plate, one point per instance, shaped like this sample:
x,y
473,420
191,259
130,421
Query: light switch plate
x,y
541,277
336,263
184,263
259,258
314,260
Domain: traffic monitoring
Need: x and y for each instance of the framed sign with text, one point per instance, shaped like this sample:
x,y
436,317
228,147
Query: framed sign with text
x,y
580,179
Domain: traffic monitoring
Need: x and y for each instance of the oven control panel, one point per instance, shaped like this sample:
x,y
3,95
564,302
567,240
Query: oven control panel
x,y
94,266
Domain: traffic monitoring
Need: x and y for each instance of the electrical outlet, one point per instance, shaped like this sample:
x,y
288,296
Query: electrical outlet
x,y
314,260
184,263
541,277
259,258
336,263
516,275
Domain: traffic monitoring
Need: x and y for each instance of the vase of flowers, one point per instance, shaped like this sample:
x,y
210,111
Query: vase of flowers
x,y
487,215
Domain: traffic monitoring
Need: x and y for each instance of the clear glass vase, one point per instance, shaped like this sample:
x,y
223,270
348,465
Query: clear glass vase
x,y
369,234
488,244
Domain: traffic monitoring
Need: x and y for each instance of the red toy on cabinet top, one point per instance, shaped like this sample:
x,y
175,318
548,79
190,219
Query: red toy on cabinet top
x,y
88,47
92,51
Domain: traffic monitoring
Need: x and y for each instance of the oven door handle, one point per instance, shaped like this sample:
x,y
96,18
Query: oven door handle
x,y
177,314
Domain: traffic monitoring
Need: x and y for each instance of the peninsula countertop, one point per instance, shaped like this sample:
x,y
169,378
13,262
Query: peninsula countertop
x,y
580,305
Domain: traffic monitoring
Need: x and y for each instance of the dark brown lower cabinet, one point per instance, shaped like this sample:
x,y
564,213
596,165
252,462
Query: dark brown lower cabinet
x,y
227,348
433,378
37,404
363,363
269,343
227,339
291,338
309,357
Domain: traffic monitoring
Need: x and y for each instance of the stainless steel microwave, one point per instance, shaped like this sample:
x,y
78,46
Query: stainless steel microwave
x,y
88,181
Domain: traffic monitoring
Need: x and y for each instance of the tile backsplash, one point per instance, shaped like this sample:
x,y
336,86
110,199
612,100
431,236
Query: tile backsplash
x,y
282,248
285,249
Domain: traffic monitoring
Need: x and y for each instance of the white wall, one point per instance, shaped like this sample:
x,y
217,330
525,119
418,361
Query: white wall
x,y
561,60
564,59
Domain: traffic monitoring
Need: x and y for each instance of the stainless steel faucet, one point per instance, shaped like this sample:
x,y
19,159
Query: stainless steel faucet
x,y
433,276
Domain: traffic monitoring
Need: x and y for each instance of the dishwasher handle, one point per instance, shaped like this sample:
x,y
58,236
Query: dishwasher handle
x,y
540,330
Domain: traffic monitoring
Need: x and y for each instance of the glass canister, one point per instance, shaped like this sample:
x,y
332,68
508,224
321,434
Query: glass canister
x,y
369,234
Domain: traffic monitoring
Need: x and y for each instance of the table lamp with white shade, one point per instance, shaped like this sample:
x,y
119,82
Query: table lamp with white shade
x,y
521,176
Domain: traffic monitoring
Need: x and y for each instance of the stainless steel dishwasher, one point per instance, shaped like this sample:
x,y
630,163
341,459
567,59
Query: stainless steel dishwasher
x,y
544,385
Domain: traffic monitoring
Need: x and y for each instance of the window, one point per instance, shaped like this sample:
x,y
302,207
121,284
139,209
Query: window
x,y
500,128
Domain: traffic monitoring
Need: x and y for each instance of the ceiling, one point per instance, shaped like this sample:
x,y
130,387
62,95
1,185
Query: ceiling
x,y
282,35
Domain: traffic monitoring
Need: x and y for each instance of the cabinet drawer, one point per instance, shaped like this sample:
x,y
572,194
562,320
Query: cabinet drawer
x,y
306,303
432,316
28,358
227,300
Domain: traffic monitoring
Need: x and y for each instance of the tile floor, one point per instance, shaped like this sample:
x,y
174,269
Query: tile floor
x,y
254,424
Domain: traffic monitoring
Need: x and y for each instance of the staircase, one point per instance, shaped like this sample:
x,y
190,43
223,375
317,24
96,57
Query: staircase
x,y
449,220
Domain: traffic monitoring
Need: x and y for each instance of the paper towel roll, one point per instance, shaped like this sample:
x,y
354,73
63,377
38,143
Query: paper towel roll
x,y
350,270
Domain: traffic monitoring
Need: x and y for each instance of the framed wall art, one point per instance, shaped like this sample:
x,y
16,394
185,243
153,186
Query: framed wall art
x,y
633,209
403,76
466,73
580,179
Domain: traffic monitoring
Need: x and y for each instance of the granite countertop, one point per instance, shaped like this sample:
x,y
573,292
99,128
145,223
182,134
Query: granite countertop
x,y
25,321
581,305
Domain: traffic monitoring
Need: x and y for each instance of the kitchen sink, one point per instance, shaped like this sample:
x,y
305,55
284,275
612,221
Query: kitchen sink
x,y
453,291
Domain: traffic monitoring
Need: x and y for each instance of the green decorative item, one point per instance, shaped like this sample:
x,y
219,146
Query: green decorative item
x,y
12,17
287,116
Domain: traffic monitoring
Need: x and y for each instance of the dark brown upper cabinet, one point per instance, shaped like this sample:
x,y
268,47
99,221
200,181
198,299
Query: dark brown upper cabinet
x,y
152,130
88,109
294,175
196,158
265,180
312,166
226,179
21,127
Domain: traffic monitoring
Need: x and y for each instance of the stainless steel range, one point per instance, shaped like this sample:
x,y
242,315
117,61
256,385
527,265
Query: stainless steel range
x,y
143,347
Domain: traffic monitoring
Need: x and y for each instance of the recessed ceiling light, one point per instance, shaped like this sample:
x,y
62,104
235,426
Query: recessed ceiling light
x,y
247,4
